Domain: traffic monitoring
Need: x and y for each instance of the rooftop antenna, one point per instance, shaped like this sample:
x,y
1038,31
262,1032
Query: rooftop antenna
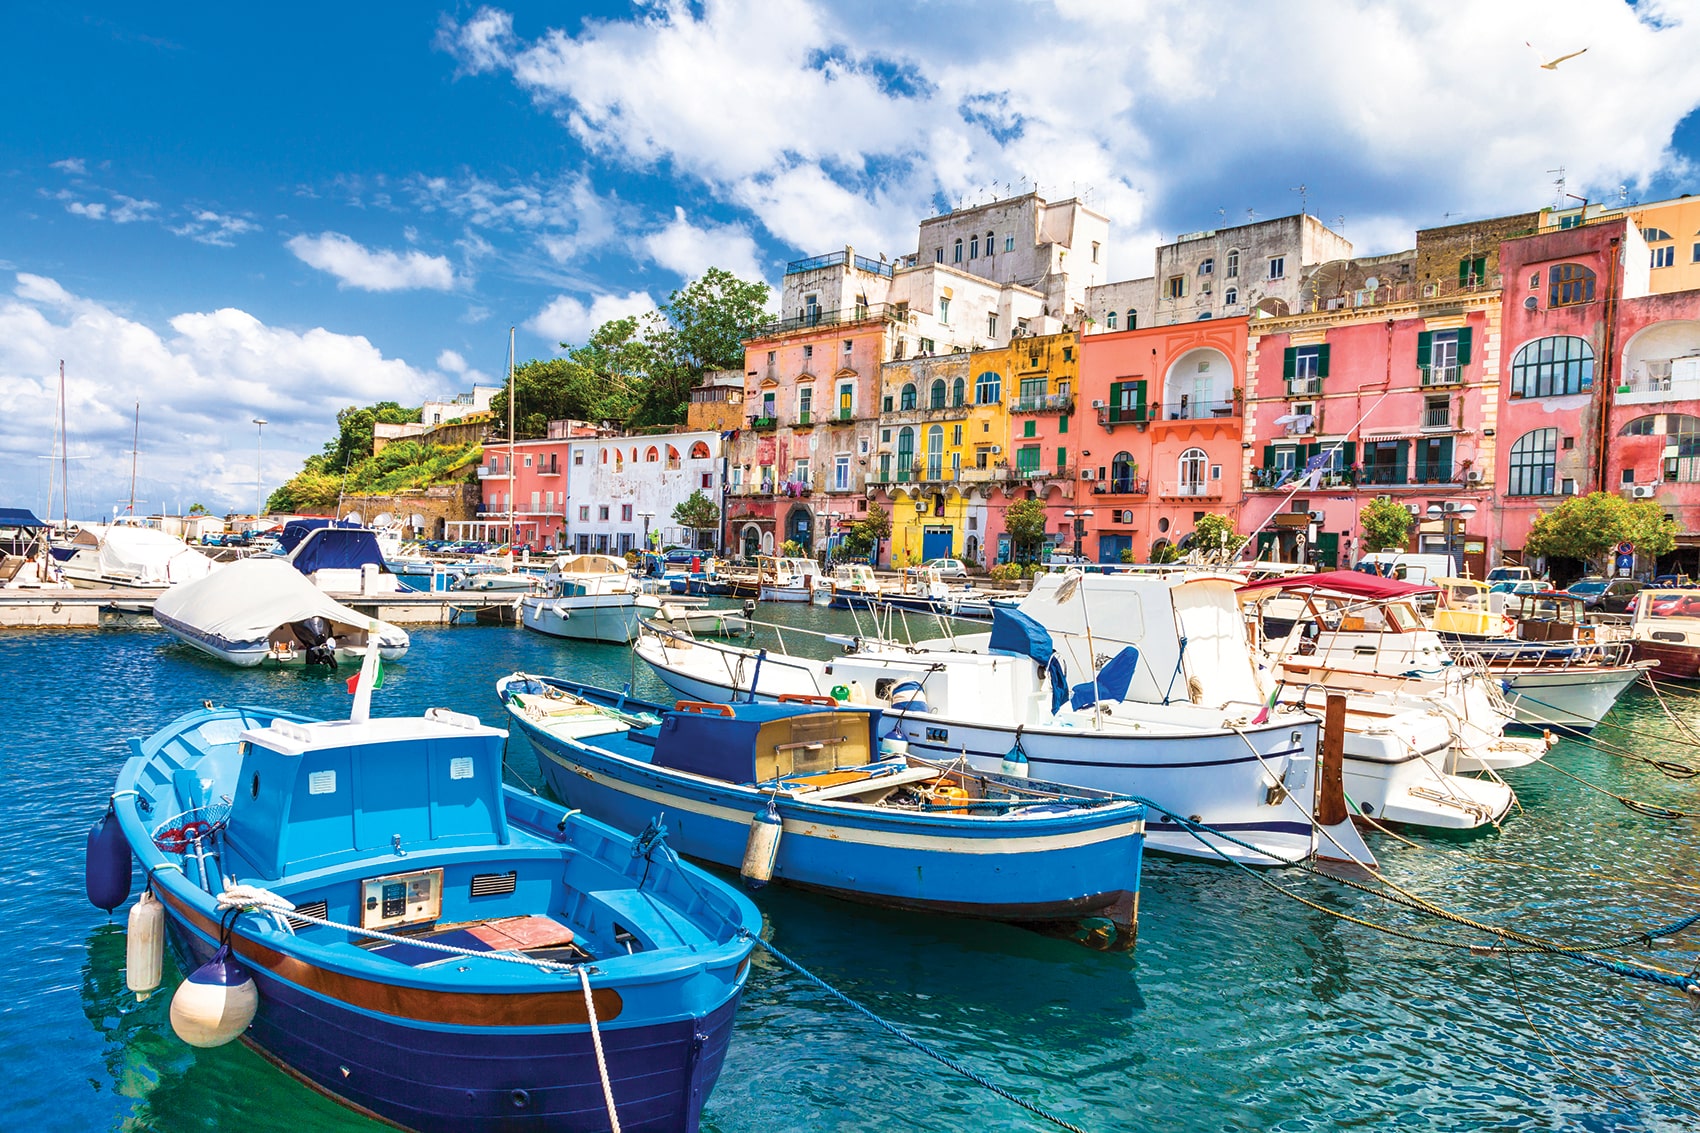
x,y
1340,223
1303,191
1250,215
1222,214
1558,185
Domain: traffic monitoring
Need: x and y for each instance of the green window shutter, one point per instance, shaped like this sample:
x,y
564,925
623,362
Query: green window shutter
x,y
1348,454
1464,347
1443,459
1400,451
1062,423
1322,361
1463,272
1062,459
1288,363
1269,456
1115,401
1425,349
1139,401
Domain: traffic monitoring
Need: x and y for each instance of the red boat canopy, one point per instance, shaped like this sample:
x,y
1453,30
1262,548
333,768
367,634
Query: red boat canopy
x,y
1352,583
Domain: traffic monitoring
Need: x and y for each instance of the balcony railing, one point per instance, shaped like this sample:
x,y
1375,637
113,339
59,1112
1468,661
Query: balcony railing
x,y
816,317
1043,403
1122,486
1188,410
1192,489
551,470
1304,387
487,472
1059,472
761,424
1671,379
835,259
1442,375
1283,478
803,417
1112,415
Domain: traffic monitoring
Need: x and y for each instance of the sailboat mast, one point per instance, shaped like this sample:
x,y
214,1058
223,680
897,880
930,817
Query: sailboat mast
x,y
512,532
135,449
64,458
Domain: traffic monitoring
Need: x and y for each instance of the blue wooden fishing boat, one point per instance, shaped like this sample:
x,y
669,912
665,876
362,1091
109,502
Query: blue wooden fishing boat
x,y
805,792
365,903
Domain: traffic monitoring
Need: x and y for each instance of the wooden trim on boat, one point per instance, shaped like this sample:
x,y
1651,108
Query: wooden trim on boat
x,y
422,1005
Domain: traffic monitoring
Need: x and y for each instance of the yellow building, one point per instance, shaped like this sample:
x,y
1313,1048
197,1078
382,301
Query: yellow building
x,y
1670,228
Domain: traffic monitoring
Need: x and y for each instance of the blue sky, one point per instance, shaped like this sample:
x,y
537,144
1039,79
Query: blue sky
x,y
226,213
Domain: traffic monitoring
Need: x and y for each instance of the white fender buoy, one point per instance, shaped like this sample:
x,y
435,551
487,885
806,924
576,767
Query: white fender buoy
x,y
144,945
1015,763
909,697
216,1003
894,744
762,848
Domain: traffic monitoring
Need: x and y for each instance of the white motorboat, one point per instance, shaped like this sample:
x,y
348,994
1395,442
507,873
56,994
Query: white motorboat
x,y
262,611
1361,634
1132,710
852,586
123,556
339,557
589,598
785,579
694,616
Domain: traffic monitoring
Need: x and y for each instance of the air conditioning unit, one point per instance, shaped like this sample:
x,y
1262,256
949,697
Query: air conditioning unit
x,y
1097,405
1473,476
1641,492
1316,517
1086,473
1414,509
996,449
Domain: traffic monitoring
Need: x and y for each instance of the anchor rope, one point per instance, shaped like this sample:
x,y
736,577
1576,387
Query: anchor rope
x,y
596,1042
1669,768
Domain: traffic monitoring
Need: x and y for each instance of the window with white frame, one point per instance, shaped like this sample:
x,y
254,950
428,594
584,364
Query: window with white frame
x,y
1277,267
944,310
1233,265
841,472
991,326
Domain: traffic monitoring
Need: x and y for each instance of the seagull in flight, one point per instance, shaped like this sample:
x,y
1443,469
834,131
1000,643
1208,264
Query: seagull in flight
x,y
1551,64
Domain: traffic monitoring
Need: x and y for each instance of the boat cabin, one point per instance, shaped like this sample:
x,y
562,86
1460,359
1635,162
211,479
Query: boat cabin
x,y
762,743
1467,608
856,578
1552,616
1669,616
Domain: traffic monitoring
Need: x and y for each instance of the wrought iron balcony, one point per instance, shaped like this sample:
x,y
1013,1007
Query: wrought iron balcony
x,y
1043,403
1442,375
762,424
1192,489
1186,409
1122,486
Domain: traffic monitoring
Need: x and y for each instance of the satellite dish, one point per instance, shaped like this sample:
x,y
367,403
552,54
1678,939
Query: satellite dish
x,y
1371,283
1530,303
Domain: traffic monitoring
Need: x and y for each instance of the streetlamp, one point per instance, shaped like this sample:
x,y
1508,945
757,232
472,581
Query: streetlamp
x,y
1452,516
1078,520
259,479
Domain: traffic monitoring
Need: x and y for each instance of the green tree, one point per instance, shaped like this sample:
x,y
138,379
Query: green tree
x,y
1024,520
1590,528
701,328
1164,551
197,509
864,535
1214,537
697,512
1386,525
353,441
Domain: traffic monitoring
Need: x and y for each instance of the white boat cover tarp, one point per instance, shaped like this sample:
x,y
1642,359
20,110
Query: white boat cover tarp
x,y
248,599
150,555
591,564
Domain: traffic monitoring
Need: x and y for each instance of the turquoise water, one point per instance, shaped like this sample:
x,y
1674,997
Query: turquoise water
x,y
1240,1009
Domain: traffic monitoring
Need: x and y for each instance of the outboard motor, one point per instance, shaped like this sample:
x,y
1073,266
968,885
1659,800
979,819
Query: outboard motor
x,y
315,634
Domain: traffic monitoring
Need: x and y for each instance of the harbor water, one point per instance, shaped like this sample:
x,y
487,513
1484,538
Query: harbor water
x,y
1240,1009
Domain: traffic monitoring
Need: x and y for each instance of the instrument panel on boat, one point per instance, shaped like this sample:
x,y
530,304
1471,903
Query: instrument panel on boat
x,y
399,899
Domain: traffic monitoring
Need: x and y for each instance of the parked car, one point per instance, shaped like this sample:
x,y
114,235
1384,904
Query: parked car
x,y
1069,560
952,568
1607,595
1516,586
1510,574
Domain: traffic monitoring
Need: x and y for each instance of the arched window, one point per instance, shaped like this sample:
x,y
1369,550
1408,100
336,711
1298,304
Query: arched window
x,y
1231,296
936,401
988,388
905,454
1207,267
1233,268
1194,467
988,243
935,453
619,461
959,392
1654,235
1680,456
1122,472
634,454
652,455
699,451
1551,367
907,399
1568,285
958,258
1132,319
1532,463
604,456
1109,320
973,247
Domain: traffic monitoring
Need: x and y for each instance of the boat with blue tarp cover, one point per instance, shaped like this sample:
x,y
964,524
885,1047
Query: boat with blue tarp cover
x,y
365,903
806,792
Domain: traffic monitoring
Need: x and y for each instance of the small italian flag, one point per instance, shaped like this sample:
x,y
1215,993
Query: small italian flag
x,y
377,676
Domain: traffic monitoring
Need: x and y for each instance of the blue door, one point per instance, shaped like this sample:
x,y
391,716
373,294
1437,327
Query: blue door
x,y
935,543
1110,547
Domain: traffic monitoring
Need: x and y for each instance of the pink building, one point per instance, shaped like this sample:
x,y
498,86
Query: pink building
x,y
533,487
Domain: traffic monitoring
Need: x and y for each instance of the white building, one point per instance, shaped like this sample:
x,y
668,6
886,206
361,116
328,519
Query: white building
x,y
620,489
460,405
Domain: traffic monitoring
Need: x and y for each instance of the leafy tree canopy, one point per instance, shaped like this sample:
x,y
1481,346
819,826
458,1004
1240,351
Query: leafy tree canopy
x,y
1025,522
697,512
1213,536
353,440
1386,525
864,534
1590,528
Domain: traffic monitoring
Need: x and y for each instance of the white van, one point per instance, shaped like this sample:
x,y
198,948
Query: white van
x,y
1408,567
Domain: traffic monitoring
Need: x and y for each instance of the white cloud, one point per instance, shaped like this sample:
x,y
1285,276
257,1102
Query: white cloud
x,y
568,216
209,227
200,381
74,165
355,265
570,320
688,250
123,210
451,362
481,44
830,128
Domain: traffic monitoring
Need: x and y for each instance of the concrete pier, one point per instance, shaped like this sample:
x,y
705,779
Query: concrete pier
x,y
89,609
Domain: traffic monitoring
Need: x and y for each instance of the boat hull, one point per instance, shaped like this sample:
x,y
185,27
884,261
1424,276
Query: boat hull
x,y
1220,777
1038,869
1573,699
257,653
1679,661
608,618
447,1079
800,593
